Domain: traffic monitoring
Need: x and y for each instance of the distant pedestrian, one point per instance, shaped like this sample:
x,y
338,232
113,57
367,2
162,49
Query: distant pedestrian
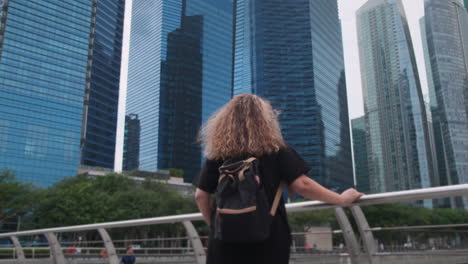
x,y
71,250
247,129
129,258
103,254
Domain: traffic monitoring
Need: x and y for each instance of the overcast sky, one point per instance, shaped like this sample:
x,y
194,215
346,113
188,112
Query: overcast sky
x,y
414,11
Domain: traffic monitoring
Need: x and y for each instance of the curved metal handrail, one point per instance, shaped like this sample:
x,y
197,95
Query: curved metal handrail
x,y
381,198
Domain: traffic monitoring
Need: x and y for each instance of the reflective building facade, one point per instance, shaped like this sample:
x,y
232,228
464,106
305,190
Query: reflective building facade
x,y
131,147
398,145
180,72
59,75
44,65
290,52
445,38
361,167
100,113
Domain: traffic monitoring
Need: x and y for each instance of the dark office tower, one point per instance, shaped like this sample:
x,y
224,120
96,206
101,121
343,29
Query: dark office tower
x,y
180,72
181,97
445,39
45,62
361,167
397,136
291,53
102,96
131,147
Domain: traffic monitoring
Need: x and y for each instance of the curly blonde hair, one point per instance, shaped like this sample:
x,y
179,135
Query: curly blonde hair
x,y
247,125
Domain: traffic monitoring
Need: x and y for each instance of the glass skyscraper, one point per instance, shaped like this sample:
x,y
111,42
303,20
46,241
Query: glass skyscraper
x,y
445,39
131,147
59,71
44,64
180,72
361,167
291,53
102,97
398,145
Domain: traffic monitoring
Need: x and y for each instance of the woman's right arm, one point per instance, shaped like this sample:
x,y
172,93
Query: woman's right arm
x,y
310,189
203,201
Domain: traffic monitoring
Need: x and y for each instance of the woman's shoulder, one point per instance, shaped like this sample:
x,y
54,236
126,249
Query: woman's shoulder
x,y
276,156
284,150
212,164
288,155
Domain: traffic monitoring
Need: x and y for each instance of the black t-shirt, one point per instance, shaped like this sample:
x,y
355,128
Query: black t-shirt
x,y
286,166
282,166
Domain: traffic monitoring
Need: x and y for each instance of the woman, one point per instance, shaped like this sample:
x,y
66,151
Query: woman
x,y
247,126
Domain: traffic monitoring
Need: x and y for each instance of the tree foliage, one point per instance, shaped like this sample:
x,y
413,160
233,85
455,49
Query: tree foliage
x,y
85,199
179,173
388,215
16,197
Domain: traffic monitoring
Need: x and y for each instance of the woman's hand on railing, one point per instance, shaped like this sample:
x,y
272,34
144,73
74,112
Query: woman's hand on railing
x,y
349,196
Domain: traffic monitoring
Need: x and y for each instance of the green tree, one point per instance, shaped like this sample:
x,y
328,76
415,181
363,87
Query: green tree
x,y
299,221
86,199
179,173
16,197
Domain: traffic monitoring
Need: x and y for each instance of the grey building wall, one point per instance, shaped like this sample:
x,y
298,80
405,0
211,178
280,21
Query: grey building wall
x,y
398,140
445,35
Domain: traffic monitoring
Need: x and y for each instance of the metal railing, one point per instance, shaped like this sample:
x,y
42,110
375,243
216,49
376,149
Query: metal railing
x,y
354,250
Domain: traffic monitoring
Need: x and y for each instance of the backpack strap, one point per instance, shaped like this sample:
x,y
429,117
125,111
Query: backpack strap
x,y
250,159
276,201
247,164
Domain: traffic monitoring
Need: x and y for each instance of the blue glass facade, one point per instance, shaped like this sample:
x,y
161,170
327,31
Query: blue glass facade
x,y
180,68
100,116
131,147
445,35
290,52
361,166
43,75
398,144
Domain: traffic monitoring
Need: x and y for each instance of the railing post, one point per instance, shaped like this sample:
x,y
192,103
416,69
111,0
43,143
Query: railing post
x,y
55,249
111,253
348,235
198,249
18,250
365,232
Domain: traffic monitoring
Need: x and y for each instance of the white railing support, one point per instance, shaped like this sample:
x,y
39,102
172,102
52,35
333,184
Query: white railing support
x,y
348,235
55,249
197,245
366,234
112,257
18,250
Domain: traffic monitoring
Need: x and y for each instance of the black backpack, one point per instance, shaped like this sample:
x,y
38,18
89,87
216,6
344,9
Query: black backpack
x,y
243,212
